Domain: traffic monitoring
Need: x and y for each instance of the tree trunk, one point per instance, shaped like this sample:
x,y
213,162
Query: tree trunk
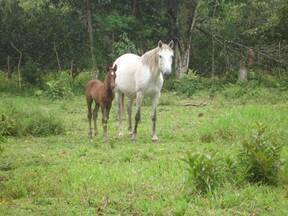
x,y
19,63
57,57
8,68
94,73
243,72
181,61
213,58
184,42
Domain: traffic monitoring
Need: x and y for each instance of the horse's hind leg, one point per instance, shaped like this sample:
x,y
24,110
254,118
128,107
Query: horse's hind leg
x,y
129,111
139,99
89,116
95,115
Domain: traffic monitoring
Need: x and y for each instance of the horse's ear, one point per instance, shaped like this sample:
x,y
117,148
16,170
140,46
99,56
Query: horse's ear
x,y
115,67
171,44
160,44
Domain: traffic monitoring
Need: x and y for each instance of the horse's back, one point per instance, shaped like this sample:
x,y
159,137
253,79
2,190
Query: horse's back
x,y
125,75
93,87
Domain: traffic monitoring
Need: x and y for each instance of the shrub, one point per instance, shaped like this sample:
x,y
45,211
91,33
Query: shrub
x,y
60,87
204,172
31,72
124,45
190,83
260,157
80,82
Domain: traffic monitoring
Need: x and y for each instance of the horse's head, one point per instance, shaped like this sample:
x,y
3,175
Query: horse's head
x,y
111,76
165,57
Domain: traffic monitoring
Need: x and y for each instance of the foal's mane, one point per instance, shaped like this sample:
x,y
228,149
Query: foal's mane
x,y
150,58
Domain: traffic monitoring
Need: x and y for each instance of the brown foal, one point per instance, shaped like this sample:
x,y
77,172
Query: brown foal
x,y
102,93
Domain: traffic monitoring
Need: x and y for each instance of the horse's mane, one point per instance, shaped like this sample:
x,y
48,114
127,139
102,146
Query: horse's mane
x,y
150,58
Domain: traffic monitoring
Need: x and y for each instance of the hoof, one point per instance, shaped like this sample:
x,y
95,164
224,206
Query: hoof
x,y
130,132
90,135
154,138
106,137
133,137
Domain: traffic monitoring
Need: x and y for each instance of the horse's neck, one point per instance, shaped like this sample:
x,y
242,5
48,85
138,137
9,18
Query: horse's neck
x,y
108,88
150,60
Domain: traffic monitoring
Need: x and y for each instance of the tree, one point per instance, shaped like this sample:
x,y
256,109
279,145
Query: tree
x,y
183,19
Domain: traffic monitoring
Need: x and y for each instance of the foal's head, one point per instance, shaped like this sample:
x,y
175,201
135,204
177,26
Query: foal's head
x,y
165,56
111,76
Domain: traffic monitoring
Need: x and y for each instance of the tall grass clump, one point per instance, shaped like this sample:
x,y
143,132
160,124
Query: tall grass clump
x,y
260,157
204,172
15,121
60,87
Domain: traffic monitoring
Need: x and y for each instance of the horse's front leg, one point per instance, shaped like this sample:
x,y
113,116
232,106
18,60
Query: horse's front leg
x,y
129,111
139,99
104,121
154,116
120,99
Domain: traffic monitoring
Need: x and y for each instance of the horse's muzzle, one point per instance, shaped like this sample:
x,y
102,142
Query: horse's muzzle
x,y
166,72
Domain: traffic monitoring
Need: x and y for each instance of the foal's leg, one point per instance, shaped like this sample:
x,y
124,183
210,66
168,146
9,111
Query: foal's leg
x,y
104,121
129,111
154,116
95,115
89,116
120,100
139,99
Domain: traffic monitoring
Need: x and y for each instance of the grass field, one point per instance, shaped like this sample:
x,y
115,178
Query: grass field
x,y
68,174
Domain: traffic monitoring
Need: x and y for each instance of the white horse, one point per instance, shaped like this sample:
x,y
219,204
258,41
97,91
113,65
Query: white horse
x,y
138,76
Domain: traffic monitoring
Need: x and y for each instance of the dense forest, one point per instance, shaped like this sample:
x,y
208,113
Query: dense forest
x,y
211,36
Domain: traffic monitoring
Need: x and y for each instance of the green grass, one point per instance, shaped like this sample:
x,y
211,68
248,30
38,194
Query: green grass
x,y
69,174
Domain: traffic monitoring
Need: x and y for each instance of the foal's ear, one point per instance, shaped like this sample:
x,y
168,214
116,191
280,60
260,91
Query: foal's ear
x,y
171,44
115,67
160,43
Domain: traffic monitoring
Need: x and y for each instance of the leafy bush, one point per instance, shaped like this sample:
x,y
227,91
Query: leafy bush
x,y
204,172
31,72
124,45
60,87
191,82
260,157
80,82
17,122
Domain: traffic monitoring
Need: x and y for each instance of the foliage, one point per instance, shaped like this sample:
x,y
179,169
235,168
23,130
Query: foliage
x,y
260,157
204,172
31,72
60,87
15,121
7,85
80,82
189,84
124,45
